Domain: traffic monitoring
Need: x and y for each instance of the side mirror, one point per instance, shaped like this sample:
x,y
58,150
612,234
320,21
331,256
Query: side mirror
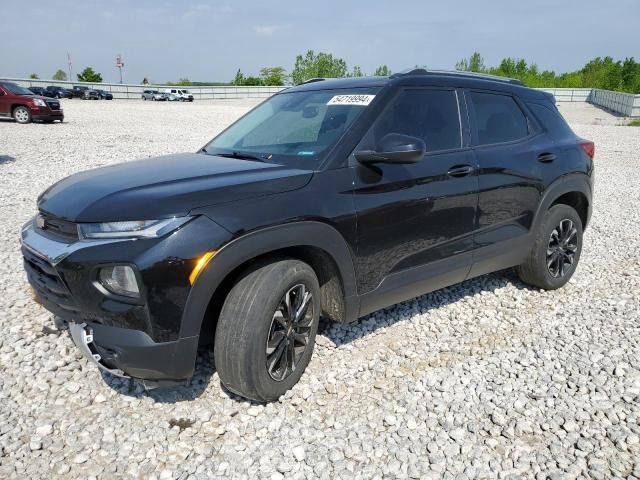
x,y
394,148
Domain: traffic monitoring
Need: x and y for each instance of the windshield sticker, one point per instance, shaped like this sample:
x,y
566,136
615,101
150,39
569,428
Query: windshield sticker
x,y
306,152
363,100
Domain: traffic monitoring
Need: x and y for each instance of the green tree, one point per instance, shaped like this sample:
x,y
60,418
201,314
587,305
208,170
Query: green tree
x,y
89,75
34,76
253,81
184,82
356,72
630,73
475,63
273,76
60,75
382,71
238,79
321,65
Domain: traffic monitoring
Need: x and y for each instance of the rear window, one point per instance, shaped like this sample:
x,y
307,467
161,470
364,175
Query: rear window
x,y
498,118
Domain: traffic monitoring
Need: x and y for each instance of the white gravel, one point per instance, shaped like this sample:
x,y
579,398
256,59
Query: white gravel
x,y
487,379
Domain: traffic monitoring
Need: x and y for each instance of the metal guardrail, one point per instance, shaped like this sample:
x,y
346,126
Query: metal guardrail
x,y
570,94
123,91
625,104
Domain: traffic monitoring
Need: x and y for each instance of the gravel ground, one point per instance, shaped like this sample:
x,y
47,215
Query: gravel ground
x,y
487,379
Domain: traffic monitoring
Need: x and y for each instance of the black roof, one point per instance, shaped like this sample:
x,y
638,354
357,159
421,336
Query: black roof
x,y
423,77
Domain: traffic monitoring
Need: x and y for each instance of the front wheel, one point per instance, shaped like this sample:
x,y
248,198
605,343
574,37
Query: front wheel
x,y
556,251
267,328
22,115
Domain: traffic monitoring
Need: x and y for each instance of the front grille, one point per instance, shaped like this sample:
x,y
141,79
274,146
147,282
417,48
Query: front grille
x,y
58,228
53,105
46,282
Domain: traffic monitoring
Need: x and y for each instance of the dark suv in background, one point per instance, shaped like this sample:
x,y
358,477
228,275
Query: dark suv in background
x,y
58,92
78,91
334,198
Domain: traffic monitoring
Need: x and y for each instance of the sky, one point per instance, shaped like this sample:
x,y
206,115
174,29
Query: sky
x,y
203,40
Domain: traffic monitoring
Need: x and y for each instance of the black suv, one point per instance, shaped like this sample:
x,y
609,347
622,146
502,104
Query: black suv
x,y
79,90
58,92
333,199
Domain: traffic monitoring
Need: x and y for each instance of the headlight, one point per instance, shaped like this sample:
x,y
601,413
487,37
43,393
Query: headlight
x,y
39,102
121,280
131,229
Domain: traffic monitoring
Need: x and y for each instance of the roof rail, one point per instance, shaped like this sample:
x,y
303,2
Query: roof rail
x,y
487,76
313,80
457,73
412,71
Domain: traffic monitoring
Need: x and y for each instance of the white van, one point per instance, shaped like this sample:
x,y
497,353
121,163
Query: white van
x,y
182,93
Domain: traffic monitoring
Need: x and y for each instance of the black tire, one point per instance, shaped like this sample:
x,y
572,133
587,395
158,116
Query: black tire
x,y
556,251
254,313
22,114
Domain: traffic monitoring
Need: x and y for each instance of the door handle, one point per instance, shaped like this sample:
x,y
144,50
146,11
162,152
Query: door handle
x,y
546,157
460,171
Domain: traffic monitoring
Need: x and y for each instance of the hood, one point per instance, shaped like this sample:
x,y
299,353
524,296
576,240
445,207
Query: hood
x,y
163,187
41,97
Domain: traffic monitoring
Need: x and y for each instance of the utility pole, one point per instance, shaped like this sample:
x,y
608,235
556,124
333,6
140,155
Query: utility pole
x,y
69,66
119,64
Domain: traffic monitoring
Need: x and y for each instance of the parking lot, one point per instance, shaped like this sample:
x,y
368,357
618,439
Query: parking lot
x,y
486,379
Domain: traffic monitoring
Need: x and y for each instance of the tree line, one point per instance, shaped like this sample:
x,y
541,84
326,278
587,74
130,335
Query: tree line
x,y
307,66
601,72
87,75
605,73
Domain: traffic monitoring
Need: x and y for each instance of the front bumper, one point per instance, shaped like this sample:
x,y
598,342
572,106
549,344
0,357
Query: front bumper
x,y
44,113
140,339
132,354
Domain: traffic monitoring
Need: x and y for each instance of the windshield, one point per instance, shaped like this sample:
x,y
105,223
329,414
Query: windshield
x,y
297,128
17,89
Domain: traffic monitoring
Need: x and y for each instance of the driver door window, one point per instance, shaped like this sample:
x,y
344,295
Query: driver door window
x,y
431,115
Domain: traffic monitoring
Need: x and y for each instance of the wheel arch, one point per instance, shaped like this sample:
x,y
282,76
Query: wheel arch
x,y
574,190
316,243
16,105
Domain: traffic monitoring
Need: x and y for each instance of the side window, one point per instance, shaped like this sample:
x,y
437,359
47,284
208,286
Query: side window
x,y
498,118
552,120
431,115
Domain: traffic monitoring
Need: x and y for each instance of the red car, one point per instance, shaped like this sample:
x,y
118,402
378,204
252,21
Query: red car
x,y
24,106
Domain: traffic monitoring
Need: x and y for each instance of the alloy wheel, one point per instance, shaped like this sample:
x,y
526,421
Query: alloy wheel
x,y
562,247
22,115
289,332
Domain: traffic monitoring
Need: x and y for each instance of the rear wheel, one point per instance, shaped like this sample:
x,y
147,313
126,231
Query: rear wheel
x,y
267,328
556,251
22,115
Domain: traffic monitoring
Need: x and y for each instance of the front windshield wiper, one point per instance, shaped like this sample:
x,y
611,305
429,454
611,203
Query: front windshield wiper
x,y
240,155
